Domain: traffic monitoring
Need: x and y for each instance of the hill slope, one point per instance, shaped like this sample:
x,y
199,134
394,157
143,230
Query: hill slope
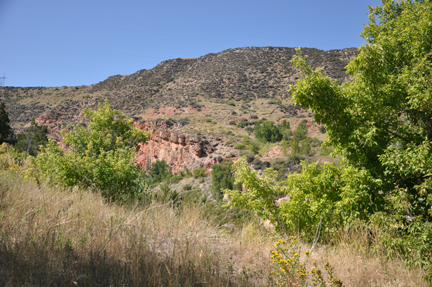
x,y
234,74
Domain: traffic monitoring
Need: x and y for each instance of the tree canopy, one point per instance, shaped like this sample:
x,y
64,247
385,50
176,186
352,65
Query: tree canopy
x,y
6,132
380,123
100,153
381,119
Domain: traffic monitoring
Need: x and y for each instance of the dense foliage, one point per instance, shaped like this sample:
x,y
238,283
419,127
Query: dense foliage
x,y
222,177
6,132
159,171
267,131
380,122
31,140
99,153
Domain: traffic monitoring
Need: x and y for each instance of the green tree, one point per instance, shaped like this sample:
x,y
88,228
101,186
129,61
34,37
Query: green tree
x,y
31,140
159,171
222,177
267,131
384,113
99,153
301,132
294,144
6,132
380,123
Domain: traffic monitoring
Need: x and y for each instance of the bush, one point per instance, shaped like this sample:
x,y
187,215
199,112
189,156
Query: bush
x,y
6,132
222,177
258,164
194,196
267,131
250,158
100,155
240,146
187,187
166,194
301,132
159,171
322,129
249,130
31,140
199,172
243,123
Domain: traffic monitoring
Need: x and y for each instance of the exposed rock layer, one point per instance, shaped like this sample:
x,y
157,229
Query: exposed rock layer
x,y
177,149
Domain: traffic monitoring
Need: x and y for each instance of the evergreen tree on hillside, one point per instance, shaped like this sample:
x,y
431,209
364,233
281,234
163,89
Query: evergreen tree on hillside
x,y
6,132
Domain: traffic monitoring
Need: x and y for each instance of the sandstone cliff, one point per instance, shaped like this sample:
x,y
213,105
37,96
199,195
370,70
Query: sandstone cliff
x,y
177,149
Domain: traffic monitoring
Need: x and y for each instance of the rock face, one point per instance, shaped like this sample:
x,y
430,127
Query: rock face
x,y
166,142
177,149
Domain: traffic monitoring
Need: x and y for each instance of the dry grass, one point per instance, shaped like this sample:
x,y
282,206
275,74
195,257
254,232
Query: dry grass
x,y
52,237
55,237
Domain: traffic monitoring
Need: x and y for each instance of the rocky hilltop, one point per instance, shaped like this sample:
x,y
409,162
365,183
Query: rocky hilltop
x,y
234,74
196,109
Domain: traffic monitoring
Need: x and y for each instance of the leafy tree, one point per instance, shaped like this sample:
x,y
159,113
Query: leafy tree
x,y
222,177
6,132
99,153
301,132
295,148
285,129
267,131
380,122
31,140
383,115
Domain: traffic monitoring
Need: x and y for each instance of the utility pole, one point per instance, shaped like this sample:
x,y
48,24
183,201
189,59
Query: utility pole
x,y
2,81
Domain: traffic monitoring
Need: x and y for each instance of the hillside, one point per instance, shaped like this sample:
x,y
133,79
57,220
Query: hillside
x,y
196,109
240,74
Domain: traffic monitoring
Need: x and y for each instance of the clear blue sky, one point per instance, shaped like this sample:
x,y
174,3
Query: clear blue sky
x,y
82,42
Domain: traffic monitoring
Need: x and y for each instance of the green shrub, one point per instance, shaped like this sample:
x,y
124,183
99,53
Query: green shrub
x,y
166,194
100,154
267,131
240,146
176,178
250,158
159,171
222,177
194,196
249,130
187,187
6,132
301,132
31,140
199,172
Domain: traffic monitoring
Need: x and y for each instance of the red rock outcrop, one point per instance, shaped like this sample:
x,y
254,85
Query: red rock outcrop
x,y
46,120
177,149
167,143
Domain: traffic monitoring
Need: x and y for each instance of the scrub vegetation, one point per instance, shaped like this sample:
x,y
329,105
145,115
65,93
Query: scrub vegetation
x,y
81,212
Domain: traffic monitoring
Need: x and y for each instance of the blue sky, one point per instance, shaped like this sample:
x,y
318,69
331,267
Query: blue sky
x,y
82,42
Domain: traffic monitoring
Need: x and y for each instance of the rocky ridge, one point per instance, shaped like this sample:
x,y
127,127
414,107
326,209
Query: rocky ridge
x,y
219,90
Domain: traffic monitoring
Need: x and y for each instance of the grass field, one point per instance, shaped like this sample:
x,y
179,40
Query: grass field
x,y
50,236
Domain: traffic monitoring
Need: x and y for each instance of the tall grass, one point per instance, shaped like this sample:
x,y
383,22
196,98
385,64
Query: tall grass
x,y
51,236
55,237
